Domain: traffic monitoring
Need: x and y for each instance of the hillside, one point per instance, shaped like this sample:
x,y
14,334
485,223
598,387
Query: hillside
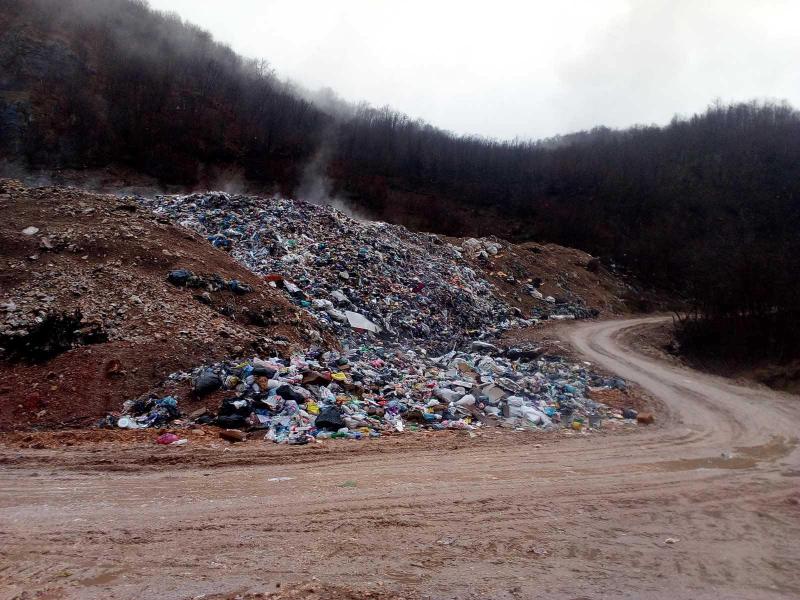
x,y
705,207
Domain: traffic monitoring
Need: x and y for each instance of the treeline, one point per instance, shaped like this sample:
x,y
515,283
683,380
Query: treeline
x,y
113,82
707,206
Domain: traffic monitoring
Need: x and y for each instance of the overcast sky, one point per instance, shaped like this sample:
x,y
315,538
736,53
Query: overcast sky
x,y
524,68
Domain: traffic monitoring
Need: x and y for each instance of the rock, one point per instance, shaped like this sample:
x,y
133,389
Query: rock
x,y
113,369
30,230
645,418
629,413
198,413
233,435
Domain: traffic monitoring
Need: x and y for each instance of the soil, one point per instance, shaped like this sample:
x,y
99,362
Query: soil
x,y
569,275
109,260
702,504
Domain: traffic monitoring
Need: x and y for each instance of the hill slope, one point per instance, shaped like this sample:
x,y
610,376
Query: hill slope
x,y
707,206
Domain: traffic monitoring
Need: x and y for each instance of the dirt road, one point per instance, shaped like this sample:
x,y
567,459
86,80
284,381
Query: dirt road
x,y
703,505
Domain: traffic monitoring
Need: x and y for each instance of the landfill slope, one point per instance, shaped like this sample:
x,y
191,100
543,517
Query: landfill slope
x,y
352,275
414,287
104,298
64,251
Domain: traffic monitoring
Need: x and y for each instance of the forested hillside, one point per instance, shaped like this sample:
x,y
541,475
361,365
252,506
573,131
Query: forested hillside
x,y
707,206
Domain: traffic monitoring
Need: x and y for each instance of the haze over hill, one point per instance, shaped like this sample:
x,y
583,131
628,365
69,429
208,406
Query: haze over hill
x,y
520,69
706,206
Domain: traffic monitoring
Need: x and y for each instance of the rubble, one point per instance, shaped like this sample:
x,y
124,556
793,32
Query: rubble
x,y
547,281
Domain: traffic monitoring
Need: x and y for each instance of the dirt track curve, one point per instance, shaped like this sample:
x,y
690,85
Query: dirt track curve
x,y
562,517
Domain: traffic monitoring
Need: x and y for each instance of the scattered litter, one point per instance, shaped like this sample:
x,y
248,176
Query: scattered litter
x,y
167,439
152,412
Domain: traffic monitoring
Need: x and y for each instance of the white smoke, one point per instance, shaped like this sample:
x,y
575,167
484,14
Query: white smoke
x,y
316,187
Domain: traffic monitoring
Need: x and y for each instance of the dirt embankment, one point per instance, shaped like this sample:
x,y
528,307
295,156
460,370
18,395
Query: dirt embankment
x,y
64,251
567,275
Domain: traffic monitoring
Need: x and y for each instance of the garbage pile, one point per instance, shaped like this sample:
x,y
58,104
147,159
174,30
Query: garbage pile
x,y
355,277
372,390
413,313
150,412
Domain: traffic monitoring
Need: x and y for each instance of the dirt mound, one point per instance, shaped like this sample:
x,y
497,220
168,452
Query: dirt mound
x,y
527,274
89,319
